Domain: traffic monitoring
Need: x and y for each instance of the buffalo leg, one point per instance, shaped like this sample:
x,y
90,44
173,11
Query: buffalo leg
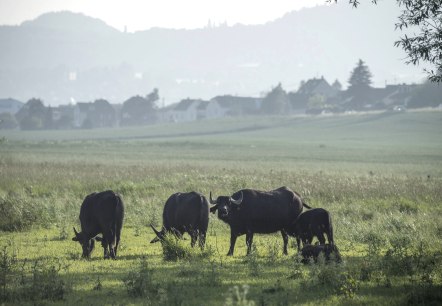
x,y
117,243
285,238
329,234
233,237
321,238
109,239
112,247
308,240
298,242
249,241
104,244
202,239
193,237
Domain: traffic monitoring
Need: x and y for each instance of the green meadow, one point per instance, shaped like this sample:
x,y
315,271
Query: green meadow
x,y
379,175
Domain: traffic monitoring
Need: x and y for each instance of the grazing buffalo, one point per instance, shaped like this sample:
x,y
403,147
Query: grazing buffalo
x,y
314,222
185,212
329,251
101,213
251,211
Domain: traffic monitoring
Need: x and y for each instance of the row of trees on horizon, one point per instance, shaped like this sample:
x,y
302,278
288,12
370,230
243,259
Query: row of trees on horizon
x,y
139,110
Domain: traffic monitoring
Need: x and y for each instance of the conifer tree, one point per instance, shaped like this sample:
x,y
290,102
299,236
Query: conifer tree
x,y
360,77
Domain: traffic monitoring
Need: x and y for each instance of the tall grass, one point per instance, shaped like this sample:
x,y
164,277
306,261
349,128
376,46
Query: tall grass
x,y
383,192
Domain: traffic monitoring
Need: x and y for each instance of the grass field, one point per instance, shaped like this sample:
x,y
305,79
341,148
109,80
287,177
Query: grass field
x,y
380,176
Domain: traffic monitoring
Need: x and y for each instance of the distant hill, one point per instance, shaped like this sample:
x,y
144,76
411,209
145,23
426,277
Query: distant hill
x,y
65,55
69,22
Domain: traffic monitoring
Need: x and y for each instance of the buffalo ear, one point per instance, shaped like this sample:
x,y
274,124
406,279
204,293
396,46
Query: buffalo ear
x,y
77,235
156,239
213,209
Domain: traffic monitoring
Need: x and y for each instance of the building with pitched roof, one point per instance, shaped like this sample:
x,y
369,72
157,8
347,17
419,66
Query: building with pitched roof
x,y
230,106
10,105
184,111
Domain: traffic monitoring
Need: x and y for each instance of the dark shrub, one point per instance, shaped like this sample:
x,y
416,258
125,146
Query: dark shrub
x,y
139,283
18,212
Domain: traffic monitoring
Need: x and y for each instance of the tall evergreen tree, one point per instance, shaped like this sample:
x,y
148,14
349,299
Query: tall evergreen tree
x,y
360,77
359,90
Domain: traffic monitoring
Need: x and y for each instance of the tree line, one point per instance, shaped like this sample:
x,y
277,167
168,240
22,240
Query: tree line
x,y
141,110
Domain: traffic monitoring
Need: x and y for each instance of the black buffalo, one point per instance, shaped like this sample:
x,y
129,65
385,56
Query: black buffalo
x,y
251,211
329,251
101,213
185,213
314,222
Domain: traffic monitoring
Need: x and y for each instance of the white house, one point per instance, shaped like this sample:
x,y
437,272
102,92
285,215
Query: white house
x,y
165,114
224,106
318,87
62,111
185,111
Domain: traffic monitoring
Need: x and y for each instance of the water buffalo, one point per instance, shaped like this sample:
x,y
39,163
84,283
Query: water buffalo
x,y
185,212
329,251
251,211
101,213
314,222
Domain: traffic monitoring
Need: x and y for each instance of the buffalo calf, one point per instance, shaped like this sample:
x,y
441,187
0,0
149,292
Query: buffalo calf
x,y
313,222
329,251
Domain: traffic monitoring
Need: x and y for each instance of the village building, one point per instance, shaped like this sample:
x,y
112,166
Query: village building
x,y
184,111
231,106
10,105
316,87
94,114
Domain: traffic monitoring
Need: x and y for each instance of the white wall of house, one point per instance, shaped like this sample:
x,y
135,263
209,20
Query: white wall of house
x,y
79,116
187,115
215,110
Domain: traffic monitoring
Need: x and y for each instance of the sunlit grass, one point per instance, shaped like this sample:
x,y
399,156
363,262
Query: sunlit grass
x,y
380,177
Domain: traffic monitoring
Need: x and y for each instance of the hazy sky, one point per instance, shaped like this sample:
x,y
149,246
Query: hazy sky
x,y
144,14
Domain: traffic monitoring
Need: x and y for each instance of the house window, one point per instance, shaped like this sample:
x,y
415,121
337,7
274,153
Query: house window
x,y
72,76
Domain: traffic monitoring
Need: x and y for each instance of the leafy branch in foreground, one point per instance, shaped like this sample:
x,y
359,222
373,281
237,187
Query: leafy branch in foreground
x,y
426,44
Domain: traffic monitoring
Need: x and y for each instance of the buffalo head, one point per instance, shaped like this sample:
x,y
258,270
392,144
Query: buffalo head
x,y
87,244
225,205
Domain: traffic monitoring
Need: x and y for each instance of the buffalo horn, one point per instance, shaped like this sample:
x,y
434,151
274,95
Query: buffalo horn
x,y
211,200
156,232
75,231
237,202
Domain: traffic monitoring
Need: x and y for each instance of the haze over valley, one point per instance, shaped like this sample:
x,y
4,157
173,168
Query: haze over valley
x,y
66,57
